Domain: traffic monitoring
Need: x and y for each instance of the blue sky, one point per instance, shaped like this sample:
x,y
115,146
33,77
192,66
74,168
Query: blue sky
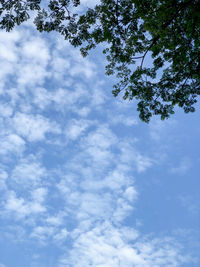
x,y
83,182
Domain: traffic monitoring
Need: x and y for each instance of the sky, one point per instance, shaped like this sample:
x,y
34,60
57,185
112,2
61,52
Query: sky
x,y
83,182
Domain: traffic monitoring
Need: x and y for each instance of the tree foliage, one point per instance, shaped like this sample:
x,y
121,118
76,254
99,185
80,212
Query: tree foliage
x,y
152,46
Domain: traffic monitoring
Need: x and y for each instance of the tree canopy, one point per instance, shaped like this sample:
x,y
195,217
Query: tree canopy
x,y
152,46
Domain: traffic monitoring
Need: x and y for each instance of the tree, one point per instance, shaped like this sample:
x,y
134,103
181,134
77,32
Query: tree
x,y
167,32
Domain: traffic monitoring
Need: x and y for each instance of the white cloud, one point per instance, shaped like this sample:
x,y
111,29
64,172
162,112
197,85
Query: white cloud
x,y
34,127
6,69
7,54
95,205
12,143
102,188
105,245
142,162
41,233
34,59
28,173
8,50
61,99
74,64
13,95
41,97
130,193
77,128
114,180
90,3
55,220
99,185
44,233
98,97
123,208
24,56
123,119
36,50
60,66
82,66
5,110
83,112
130,155
101,138
9,37
39,194
31,75
69,97
21,207
97,145
62,235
